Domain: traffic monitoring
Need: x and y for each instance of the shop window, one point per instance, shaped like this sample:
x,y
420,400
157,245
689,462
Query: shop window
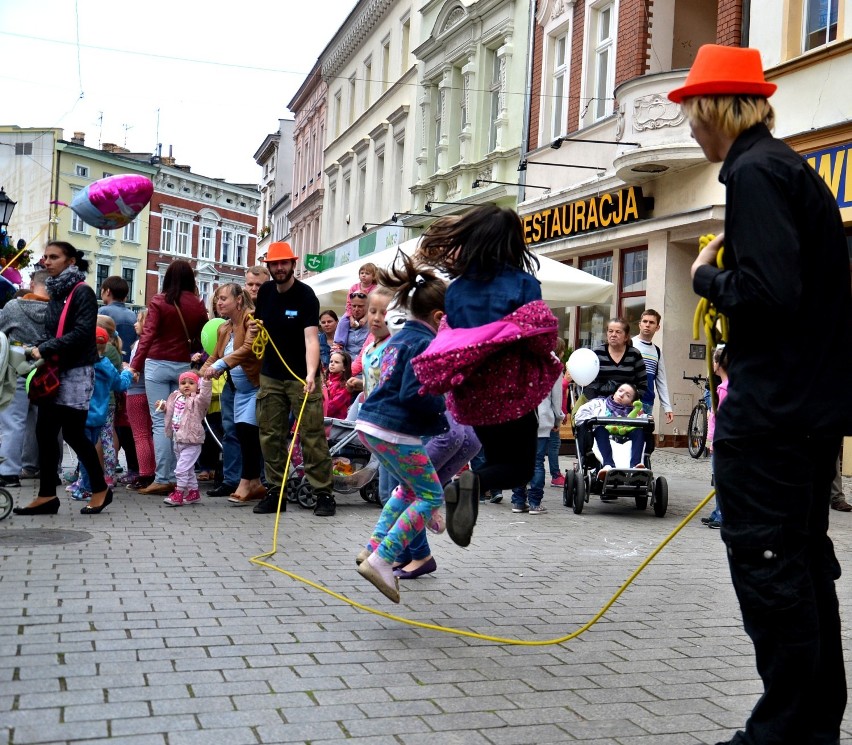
x,y
592,319
634,276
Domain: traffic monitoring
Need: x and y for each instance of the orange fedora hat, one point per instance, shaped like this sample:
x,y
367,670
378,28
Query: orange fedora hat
x,y
725,71
280,251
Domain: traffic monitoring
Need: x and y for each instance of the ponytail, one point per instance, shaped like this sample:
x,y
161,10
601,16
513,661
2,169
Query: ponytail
x,y
419,290
72,253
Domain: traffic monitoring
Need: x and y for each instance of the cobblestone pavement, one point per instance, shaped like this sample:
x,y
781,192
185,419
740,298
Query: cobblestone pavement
x,y
149,626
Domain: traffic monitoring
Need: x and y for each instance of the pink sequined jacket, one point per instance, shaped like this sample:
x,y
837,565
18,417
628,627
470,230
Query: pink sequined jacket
x,y
493,373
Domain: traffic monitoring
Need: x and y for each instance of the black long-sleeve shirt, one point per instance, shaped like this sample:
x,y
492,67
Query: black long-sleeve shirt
x,y
786,290
629,369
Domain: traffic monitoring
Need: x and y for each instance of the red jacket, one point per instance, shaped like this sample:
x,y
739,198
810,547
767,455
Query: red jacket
x,y
163,336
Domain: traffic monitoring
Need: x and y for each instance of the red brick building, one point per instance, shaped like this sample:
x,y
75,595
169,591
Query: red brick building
x,y
208,222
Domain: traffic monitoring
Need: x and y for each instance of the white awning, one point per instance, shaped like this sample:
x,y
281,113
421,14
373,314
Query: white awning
x,y
561,285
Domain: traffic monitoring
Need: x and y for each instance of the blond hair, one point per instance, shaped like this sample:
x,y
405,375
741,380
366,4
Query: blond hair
x,y
730,115
108,324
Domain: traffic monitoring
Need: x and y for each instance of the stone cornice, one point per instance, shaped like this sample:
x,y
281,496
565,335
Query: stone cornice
x,y
354,36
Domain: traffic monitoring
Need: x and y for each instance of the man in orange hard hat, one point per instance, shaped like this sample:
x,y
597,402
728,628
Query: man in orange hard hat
x,y
289,311
779,430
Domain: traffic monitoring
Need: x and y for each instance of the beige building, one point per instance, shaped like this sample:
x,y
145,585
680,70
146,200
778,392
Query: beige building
x,y
630,191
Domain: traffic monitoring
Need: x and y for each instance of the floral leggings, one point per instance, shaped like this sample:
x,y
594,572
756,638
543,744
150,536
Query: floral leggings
x,y
409,509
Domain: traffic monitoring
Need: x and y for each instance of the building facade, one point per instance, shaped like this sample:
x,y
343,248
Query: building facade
x,y
208,222
471,83
368,162
309,106
275,157
630,192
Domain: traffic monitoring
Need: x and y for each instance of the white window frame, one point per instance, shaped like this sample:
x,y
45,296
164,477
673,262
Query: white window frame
x,y
437,125
386,73
560,79
338,111
493,98
80,170
167,234
240,248
131,231
207,242
227,245
368,82
77,223
595,107
184,237
806,7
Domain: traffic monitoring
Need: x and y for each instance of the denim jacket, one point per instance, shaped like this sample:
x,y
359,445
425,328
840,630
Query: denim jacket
x,y
397,403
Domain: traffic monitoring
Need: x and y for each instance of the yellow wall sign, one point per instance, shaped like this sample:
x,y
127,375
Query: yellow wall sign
x,y
604,211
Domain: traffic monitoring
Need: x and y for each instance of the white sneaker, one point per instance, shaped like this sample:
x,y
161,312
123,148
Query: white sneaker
x,y
540,510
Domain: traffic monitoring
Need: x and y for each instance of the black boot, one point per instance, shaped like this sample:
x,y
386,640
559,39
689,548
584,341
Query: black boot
x,y
325,506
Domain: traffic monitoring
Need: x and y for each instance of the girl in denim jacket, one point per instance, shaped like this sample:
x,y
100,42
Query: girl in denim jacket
x,y
494,359
392,421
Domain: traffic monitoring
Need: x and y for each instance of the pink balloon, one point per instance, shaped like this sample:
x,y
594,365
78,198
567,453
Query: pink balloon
x,y
113,202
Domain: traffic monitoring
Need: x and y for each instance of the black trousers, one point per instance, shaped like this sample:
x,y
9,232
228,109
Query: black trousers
x,y
249,436
509,450
775,499
72,423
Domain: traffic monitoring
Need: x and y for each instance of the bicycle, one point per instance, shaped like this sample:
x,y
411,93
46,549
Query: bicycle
x,y
696,431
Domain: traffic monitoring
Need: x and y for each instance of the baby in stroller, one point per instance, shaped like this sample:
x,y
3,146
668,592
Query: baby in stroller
x,y
610,443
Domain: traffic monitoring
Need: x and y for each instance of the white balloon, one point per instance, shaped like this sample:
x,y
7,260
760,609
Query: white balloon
x,y
583,366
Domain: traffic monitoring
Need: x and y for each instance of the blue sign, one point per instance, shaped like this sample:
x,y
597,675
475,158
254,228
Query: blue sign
x,y
832,165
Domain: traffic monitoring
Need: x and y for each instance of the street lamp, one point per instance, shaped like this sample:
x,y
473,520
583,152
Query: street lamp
x,y
7,207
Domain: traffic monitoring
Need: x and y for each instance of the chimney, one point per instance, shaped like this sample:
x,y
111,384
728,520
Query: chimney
x,y
79,138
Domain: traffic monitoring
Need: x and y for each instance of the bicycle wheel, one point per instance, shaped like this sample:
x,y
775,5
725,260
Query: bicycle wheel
x,y
696,434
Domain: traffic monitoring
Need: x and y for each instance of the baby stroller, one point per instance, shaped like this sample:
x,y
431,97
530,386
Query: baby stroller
x,y
638,484
354,468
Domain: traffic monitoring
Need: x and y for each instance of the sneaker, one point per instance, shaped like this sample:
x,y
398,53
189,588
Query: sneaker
x,y
175,499
80,495
519,508
10,481
325,506
558,481
538,509
28,474
192,497
496,498
269,504
705,520
715,524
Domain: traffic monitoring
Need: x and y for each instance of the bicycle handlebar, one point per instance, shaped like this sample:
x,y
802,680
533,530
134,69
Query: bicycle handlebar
x,y
697,379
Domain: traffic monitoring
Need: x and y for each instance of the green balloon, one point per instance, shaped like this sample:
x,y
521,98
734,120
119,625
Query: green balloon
x,y
30,377
208,334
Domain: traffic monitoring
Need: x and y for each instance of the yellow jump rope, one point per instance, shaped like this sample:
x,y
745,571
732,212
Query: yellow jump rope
x,y
711,319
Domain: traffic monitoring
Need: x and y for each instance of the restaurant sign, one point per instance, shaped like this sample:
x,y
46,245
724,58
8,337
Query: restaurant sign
x,y
583,215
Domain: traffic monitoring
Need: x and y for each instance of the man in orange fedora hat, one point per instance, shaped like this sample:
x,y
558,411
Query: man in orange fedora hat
x,y
779,430
289,311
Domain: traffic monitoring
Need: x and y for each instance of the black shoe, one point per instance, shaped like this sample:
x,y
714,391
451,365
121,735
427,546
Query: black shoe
x,y
10,481
89,510
714,524
46,508
269,504
325,506
222,490
705,520
462,502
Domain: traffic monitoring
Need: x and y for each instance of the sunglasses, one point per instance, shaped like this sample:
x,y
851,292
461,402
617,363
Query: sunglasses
x,y
362,295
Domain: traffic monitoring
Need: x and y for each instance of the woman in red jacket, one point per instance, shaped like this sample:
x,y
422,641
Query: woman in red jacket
x,y
170,336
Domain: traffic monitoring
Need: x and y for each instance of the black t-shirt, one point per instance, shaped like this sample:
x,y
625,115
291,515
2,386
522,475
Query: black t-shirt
x,y
285,316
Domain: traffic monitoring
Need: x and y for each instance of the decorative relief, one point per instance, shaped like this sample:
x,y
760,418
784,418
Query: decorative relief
x,y
655,111
456,16
619,121
429,194
503,72
452,186
485,174
355,35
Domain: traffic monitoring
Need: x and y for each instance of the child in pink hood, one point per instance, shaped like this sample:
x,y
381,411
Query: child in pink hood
x,y
185,410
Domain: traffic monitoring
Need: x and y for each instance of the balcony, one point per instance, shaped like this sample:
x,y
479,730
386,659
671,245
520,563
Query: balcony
x,y
646,116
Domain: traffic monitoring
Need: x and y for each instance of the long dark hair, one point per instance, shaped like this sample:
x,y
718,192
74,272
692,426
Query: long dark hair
x,y
413,287
72,253
478,243
179,278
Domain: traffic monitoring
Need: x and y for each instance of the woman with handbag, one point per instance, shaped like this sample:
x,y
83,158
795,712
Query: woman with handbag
x,y
170,336
69,355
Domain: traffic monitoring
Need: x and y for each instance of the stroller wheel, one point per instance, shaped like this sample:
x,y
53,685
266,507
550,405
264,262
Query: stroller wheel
x,y
305,495
6,503
292,488
370,492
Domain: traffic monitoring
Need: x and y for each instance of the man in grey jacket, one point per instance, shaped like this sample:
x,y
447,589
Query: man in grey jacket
x,y
22,320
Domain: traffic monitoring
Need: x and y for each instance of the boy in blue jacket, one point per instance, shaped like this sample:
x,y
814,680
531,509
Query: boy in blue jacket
x,y
107,379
